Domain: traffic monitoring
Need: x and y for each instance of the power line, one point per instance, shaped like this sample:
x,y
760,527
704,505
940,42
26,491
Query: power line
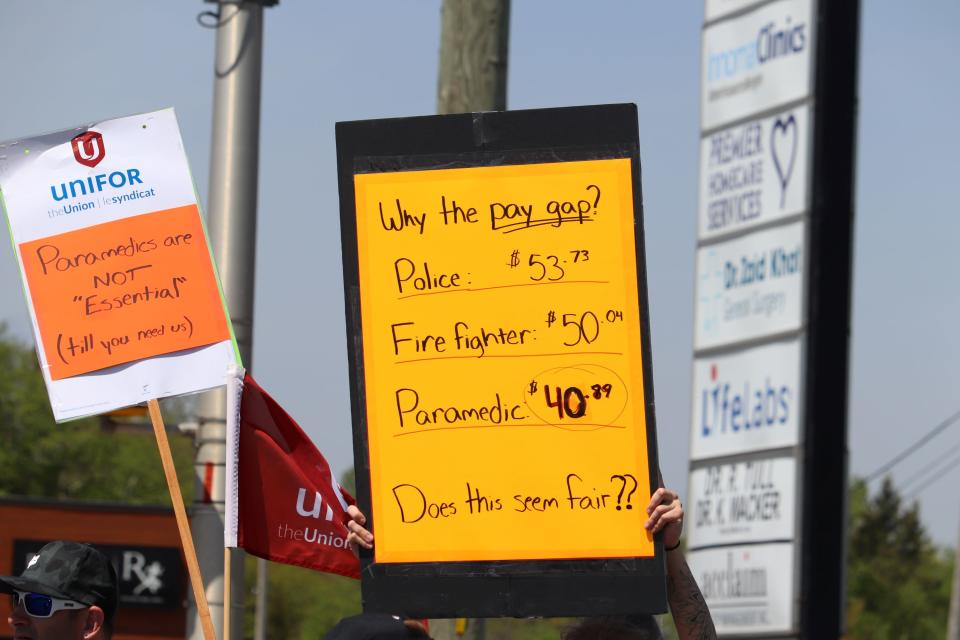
x,y
916,445
943,471
929,468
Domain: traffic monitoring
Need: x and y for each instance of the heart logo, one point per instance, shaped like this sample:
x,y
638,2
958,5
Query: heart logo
x,y
783,149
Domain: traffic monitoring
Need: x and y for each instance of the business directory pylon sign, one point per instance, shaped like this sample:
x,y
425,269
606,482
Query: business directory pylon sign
x,y
756,61
748,587
747,400
754,173
772,314
750,287
745,501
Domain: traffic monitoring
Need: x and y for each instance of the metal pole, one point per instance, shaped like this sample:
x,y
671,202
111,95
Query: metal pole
x,y
232,225
829,285
260,610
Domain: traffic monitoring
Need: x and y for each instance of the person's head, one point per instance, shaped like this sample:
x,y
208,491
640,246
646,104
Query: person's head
x,y
377,626
69,591
615,628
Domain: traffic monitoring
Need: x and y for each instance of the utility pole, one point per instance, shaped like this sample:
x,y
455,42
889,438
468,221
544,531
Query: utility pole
x,y
953,625
232,226
473,77
473,56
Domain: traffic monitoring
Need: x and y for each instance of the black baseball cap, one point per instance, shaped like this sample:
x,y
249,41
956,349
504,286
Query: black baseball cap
x,y
373,626
71,571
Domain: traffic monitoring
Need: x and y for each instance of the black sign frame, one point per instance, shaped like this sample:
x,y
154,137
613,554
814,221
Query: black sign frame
x,y
581,587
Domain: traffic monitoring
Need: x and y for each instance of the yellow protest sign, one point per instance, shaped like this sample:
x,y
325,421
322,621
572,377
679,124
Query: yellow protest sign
x,y
502,362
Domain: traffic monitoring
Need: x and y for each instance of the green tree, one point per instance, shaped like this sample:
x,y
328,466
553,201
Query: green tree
x,y
301,603
76,460
898,583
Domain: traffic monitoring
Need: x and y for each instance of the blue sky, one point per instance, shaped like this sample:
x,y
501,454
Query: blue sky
x,y
70,63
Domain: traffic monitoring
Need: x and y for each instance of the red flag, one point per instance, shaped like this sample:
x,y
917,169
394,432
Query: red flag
x,y
283,503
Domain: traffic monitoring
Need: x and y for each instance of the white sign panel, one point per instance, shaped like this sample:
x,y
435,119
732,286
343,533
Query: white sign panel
x,y
757,61
62,189
748,589
739,502
750,287
746,401
718,8
754,173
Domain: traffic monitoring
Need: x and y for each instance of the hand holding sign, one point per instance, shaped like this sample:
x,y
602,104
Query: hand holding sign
x,y
666,514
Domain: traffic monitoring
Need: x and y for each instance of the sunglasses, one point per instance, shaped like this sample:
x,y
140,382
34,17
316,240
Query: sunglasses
x,y
41,606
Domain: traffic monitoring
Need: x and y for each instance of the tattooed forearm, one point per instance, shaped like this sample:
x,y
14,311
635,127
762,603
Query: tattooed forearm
x,y
690,613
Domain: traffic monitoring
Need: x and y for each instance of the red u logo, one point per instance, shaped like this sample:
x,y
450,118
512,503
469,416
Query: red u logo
x,y
88,148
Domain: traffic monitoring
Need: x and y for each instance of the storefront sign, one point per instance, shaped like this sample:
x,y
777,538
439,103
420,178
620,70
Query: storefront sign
x,y
754,173
750,287
749,589
754,62
739,502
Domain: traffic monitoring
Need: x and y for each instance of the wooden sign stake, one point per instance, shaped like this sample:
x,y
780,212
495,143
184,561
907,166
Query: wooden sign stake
x,y
186,538
227,595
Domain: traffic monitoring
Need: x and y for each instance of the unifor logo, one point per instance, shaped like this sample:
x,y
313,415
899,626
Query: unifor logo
x,y
88,148
318,501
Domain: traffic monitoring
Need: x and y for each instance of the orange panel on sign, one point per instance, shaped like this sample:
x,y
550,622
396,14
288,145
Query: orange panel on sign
x,y
502,361
123,291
